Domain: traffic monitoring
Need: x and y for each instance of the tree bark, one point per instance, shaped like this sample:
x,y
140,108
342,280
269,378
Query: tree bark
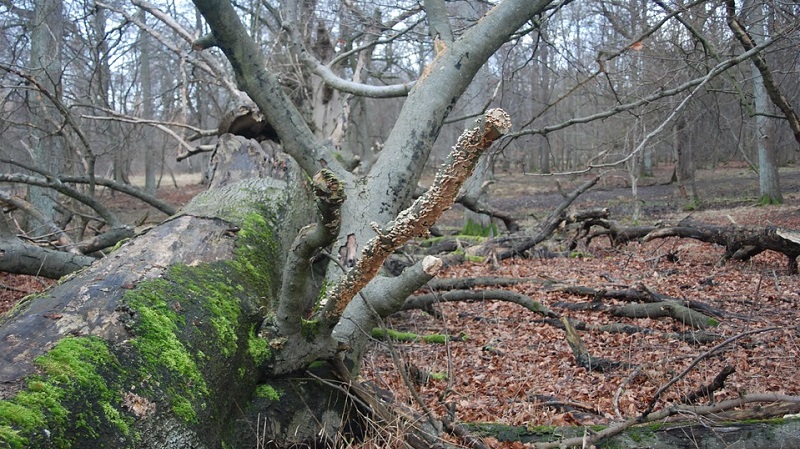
x,y
717,435
740,242
148,107
46,68
156,346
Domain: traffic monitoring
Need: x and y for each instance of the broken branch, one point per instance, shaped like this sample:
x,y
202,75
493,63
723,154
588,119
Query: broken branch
x,y
417,219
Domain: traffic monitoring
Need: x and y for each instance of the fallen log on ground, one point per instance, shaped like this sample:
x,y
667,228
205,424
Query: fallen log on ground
x,y
740,242
157,344
710,435
559,215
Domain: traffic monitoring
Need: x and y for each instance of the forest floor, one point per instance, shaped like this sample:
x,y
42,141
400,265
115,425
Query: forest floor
x,y
511,367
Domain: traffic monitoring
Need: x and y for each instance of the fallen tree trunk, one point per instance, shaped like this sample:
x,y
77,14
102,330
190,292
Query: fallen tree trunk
x,y
157,346
718,435
21,258
740,242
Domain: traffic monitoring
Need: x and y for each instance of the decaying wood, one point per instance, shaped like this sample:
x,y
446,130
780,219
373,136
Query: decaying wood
x,y
714,432
417,219
581,354
438,284
479,207
707,391
740,242
95,307
662,309
693,337
617,233
235,158
425,301
247,121
645,303
505,247
20,258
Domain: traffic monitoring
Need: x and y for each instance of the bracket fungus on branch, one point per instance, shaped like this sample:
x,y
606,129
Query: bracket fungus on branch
x,y
422,214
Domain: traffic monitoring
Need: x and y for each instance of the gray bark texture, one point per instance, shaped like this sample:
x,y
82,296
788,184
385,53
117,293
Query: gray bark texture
x,y
46,67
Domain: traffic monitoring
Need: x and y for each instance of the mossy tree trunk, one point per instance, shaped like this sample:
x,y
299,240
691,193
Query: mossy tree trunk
x,y
157,345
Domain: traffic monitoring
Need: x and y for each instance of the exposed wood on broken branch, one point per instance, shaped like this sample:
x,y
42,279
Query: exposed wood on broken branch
x,y
417,219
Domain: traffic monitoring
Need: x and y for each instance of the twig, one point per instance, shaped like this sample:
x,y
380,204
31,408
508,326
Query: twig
x,y
708,390
15,289
63,239
694,363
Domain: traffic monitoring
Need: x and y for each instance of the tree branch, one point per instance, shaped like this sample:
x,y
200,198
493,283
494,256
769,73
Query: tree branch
x,y
425,301
329,192
409,144
417,219
694,363
20,258
334,80
553,221
713,73
263,87
56,184
127,189
701,410
63,239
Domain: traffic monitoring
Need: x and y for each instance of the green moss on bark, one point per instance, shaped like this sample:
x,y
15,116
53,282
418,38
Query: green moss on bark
x,y
72,376
182,324
268,392
383,334
256,250
309,329
258,348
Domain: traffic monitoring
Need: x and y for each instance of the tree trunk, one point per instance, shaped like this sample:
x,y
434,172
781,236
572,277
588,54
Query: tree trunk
x,y
768,181
545,92
48,147
157,346
684,169
145,57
